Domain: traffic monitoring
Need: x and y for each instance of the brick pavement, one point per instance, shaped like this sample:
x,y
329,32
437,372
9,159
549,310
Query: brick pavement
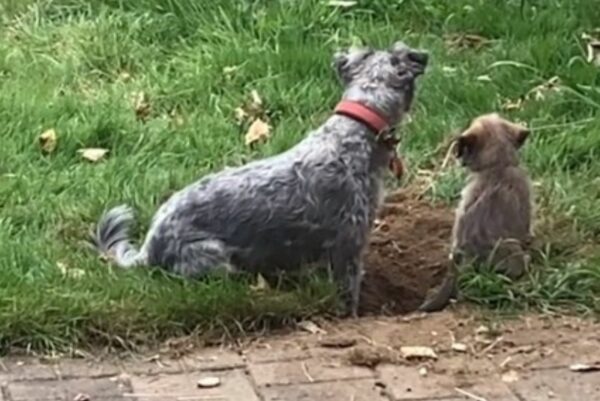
x,y
297,371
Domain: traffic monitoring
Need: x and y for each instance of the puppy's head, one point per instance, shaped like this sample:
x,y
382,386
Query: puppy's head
x,y
383,79
490,141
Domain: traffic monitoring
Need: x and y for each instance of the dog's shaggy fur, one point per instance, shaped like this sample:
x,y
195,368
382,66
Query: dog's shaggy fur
x,y
493,218
314,202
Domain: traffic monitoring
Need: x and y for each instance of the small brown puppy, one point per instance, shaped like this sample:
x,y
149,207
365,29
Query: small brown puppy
x,y
493,218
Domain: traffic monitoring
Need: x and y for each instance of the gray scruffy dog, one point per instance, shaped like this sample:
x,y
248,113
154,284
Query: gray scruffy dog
x,y
313,203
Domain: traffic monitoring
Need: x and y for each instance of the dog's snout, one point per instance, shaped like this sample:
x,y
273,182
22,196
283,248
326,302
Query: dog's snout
x,y
419,57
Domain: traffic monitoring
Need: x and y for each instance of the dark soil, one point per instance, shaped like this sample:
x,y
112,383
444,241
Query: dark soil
x,y
408,254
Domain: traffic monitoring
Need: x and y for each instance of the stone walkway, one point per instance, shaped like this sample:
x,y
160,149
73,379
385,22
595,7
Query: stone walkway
x,y
322,366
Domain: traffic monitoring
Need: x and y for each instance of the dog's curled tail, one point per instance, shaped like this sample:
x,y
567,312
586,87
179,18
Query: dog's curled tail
x,y
112,237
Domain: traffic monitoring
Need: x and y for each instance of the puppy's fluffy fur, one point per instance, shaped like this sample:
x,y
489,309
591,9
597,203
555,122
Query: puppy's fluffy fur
x,y
314,202
493,218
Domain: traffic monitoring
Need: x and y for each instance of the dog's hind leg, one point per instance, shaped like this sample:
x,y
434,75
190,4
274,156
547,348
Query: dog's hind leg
x,y
509,258
198,258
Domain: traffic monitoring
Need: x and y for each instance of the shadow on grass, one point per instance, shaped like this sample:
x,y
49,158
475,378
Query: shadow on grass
x,y
145,308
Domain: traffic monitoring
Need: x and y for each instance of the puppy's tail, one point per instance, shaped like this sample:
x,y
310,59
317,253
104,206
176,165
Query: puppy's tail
x,y
111,238
439,298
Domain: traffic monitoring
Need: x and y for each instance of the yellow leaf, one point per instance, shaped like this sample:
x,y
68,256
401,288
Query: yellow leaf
x,y
258,131
48,141
141,106
229,70
311,327
69,271
510,377
416,352
93,154
261,284
240,115
256,100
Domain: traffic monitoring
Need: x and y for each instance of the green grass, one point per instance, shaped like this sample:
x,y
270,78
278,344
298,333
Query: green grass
x,y
73,65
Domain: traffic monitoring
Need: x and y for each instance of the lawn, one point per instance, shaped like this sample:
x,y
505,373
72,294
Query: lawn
x,y
157,84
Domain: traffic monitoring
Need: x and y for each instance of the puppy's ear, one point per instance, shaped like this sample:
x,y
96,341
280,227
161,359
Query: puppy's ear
x,y
346,61
465,144
519,133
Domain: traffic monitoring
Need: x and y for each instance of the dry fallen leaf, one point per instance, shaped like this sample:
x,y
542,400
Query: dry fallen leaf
x,y
459,347
82,397
423,371
465,40
93,154
482,330
311,327
509,104
141,106
176,118
341,3
338,342
69,271
48,141
209,382
592,47
417,352
256,100
539,92
261,284
510,377
584,367
240,115
256,106
229,70
258,131
124,76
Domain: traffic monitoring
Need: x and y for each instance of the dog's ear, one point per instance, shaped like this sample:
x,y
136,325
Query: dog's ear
x,y
407,58
465,144
518,133
346,61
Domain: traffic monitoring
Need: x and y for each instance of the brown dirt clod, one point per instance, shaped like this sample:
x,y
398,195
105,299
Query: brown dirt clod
x,y
408,254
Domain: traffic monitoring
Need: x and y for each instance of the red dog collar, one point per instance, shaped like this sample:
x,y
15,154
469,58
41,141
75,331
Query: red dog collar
x,y
362,113
376,123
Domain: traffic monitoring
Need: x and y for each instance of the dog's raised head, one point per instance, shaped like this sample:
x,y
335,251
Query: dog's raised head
x,y
382,79
490,141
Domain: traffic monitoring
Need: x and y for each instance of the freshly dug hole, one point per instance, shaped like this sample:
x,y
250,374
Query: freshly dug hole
x,y
408,254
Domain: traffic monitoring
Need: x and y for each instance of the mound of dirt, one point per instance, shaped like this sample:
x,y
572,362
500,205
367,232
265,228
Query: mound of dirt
x,y
408,254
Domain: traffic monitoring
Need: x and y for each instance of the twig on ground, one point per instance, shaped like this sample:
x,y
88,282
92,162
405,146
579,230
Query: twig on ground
x,y
305,371
469,395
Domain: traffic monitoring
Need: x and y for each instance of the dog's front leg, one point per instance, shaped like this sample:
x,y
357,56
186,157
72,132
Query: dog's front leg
x,y
347,274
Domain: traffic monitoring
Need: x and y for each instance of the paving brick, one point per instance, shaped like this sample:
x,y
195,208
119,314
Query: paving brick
x,y
98,389
212,360
287,352
305,371
558,385
151,366
581,351
405,383
235,386
26,369
356,390
76,368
